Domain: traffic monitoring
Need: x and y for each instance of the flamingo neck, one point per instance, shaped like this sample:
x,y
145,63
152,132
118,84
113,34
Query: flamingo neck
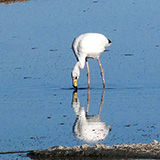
x,y
76,70
81,62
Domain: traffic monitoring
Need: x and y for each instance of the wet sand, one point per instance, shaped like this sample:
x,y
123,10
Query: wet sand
x,y
146,151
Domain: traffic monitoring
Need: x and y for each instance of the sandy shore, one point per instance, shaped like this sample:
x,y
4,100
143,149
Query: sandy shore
x,y
139,150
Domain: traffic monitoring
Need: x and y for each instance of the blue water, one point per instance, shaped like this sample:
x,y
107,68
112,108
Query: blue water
x,y
36,61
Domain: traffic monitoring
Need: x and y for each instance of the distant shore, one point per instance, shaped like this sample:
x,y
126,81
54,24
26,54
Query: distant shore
x,y
12,1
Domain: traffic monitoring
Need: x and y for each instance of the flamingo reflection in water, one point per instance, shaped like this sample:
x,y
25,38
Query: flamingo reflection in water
x,y
89,128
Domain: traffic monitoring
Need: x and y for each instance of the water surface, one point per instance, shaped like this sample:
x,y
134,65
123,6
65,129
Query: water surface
x,y
36,61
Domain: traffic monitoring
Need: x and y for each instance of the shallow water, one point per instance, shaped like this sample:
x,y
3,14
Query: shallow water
x,y
36,61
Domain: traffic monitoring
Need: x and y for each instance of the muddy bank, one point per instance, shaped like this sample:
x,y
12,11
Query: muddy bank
x,y
139,150
12,1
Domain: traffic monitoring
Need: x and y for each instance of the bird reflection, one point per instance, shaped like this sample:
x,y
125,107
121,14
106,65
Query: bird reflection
x,y
89,128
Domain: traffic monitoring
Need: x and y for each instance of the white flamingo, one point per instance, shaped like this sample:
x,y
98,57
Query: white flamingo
x,y
88,45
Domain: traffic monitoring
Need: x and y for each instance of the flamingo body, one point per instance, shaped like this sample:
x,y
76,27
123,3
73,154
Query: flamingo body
x,y
88,45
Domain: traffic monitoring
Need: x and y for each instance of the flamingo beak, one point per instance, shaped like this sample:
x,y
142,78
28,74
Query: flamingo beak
x,y
75,83
75,95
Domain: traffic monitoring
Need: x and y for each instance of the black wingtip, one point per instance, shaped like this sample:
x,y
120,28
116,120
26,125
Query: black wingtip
x,y
109,41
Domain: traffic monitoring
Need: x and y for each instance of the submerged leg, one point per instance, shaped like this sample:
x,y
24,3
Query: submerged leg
x,y
102,101
88,102
88,73
102,73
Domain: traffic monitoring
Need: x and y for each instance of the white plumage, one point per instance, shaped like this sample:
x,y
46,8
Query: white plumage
x,y
88,45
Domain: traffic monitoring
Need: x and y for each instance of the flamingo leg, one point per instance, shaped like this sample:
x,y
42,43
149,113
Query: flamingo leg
x,y
88,102
102,72
102,101
88,73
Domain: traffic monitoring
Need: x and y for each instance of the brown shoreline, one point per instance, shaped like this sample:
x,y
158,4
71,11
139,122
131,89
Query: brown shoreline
x,y
12,1
143,151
